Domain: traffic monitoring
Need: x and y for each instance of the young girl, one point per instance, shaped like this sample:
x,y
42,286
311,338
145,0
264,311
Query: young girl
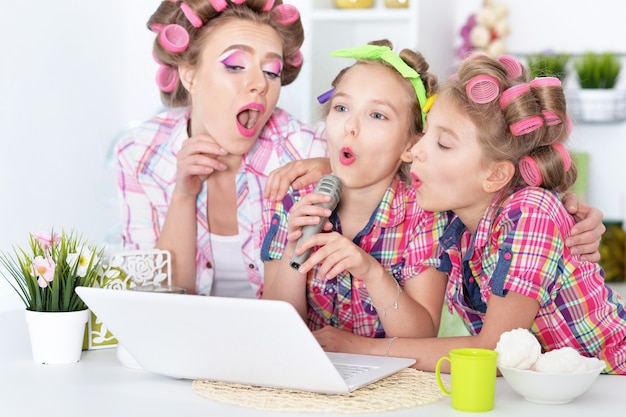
x,y
493,156
372,275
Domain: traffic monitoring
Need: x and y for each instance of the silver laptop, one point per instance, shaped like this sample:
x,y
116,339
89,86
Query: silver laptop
x,y
246,341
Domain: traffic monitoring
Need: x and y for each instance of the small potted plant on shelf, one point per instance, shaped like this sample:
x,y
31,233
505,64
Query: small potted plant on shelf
x,y
547,64
597,77
45,277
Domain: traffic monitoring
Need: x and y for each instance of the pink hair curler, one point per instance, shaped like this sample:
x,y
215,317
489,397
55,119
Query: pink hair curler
x,y
567,159
545,82
268,6
482,89
238,2
190,15
174,38
513,92
297,59
530,171
551,118
166,78
512,65
285,14
218,5
525,126
156,27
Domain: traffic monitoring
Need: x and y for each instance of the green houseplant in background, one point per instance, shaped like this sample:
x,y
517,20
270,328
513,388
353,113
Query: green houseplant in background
x,y
547,64
598,74
598,70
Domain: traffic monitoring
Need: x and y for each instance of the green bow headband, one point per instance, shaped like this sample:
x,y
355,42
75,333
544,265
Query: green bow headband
x,y
384,53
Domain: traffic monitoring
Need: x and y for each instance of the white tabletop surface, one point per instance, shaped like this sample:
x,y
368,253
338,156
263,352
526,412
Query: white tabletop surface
x,y
99,385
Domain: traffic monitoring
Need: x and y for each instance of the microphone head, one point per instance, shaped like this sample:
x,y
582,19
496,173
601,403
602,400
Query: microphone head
x,y
330,185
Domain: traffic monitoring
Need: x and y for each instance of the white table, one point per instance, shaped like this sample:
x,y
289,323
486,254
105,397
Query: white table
x,y
99,385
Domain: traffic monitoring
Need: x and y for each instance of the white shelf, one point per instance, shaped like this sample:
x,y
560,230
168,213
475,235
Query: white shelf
x,y
377,14
328,28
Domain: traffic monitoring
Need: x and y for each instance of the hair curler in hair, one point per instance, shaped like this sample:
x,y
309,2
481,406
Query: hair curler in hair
x,y
567,160
268,6
166,78
482,89
330,185
174,38
285,14
530,171
512,65
513,92
190,15
297,59
526,125
218,5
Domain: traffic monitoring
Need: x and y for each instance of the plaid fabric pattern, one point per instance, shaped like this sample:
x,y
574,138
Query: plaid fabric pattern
x,y
399,235
146,162
576,308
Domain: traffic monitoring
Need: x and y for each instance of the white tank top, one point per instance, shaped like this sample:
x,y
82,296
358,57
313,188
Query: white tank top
x,y
231,279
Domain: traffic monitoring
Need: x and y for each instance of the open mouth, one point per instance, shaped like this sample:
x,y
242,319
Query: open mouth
x,y
248,119
346,156
415,180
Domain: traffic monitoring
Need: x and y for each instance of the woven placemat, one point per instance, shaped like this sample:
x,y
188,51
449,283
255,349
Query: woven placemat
x,y
405,389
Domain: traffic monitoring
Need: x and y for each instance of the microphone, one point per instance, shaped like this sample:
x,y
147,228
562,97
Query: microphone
x,y
330,185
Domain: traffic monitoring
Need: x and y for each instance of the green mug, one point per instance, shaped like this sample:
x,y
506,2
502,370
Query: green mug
x,y
472,378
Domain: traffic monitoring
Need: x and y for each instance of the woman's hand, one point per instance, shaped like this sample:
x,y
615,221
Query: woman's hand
x,y
298,174
585,236
196,160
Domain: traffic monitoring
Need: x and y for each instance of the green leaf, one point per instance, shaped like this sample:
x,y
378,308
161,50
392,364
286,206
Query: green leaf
x,y
59,294
598,70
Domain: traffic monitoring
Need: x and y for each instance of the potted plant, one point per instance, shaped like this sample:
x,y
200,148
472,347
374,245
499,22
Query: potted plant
x,y
547,64
598,70
45,277
597,77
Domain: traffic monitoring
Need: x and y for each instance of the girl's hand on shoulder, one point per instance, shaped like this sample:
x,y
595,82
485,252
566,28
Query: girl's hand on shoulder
x,y
585,236
298,174
196,160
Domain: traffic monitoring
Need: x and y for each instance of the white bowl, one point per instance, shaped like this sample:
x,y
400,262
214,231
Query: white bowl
x,y
550,388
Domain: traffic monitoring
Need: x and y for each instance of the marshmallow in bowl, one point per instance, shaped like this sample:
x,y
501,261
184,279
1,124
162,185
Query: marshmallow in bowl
x,y
518,348
565,360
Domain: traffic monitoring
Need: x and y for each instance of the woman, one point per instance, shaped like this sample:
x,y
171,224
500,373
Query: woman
x,y
191,179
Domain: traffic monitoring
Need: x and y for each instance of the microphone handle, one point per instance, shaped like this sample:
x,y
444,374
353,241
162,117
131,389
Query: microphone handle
x,y
329,184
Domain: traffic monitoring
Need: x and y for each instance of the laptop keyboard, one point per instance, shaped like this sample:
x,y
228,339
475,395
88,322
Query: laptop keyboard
x,y
348,371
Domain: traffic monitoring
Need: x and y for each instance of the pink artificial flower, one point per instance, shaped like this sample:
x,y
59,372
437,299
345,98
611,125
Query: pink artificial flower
x,y
43,269
46,239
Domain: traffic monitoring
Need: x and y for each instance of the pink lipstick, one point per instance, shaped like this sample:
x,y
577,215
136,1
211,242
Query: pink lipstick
x,y
416,182
346,156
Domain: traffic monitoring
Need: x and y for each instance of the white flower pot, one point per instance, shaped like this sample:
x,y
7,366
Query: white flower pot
x,y
56,337
597,104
